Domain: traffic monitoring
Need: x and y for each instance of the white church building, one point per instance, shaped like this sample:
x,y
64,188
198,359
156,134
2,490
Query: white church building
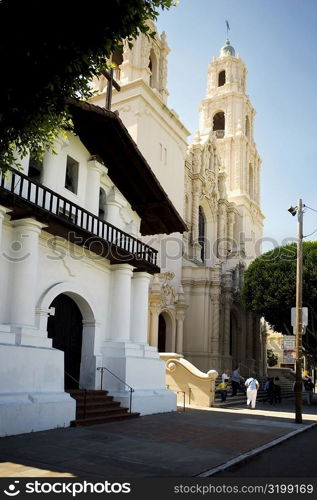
x,y
75,276
129,242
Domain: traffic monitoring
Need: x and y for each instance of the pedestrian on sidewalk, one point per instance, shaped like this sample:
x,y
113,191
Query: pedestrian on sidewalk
x,y
235,380
309,386
252,386
277,390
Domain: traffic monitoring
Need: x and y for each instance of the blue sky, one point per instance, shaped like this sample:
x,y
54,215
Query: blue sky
x,y
277,39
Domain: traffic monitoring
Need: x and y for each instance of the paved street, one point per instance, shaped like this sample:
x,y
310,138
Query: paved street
x,y
295,457
177,444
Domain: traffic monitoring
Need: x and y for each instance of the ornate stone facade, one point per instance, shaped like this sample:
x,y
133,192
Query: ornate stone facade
x,y
195,306
225,224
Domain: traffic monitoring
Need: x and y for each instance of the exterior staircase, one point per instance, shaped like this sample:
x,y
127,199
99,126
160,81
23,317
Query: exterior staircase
x,y
96,407
240,398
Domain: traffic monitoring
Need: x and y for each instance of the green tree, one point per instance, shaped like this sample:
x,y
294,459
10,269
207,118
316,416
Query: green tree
x,y
272,358
49,52
270,289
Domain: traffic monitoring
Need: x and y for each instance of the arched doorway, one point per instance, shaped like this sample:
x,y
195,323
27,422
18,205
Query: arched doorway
x,y
161,343
65,328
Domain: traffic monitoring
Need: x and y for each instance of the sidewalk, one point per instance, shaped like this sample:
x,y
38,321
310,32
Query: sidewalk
x,y
176,444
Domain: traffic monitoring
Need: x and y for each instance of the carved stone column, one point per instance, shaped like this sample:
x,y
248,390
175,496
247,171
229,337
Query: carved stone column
x,y
215,310
222,231
181,307
155,307
155,310
227,309
231,220
195,219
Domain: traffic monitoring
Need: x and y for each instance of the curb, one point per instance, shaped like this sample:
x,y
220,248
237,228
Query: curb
x,y
252,453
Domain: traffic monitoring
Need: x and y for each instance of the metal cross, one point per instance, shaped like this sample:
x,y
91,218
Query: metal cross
x,y
111,82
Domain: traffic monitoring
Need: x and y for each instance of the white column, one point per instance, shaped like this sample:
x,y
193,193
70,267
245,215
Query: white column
x,y
94,172
180,316
155,310
51,166
121,302
24,264
139,311
3,211
114,204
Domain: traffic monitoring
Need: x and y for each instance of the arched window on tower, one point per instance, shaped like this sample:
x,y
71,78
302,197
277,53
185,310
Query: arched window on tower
x,y
202,233
117,60
251,182
219,124
221,78
153,67
247,127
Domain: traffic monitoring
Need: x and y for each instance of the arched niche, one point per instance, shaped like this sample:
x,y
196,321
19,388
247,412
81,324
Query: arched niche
x,y
221,78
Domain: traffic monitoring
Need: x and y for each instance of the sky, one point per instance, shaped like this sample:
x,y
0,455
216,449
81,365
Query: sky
x,y
277,40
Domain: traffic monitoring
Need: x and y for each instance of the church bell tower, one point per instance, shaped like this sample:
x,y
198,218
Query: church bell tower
x,y
227,114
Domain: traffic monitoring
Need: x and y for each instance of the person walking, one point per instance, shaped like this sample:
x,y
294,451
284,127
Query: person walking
x,y
252,386
277,390
309,386
235,381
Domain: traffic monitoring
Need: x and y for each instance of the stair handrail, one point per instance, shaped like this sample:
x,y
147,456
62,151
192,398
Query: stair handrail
x,y
102,368
247,367
85,391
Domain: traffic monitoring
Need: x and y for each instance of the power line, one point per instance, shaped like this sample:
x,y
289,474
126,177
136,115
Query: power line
x,y
310,208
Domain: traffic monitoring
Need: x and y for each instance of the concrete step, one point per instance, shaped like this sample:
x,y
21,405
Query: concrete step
x,y
93,407
104,419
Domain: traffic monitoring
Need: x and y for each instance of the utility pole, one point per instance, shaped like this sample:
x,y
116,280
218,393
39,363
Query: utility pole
x,y
299,315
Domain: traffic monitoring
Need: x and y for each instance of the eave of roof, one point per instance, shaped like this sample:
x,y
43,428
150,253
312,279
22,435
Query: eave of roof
x,y
105,136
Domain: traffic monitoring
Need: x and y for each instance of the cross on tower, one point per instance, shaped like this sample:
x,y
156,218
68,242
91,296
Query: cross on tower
x,y
111,82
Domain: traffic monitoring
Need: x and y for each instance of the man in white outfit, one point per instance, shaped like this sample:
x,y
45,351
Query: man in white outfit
x,y
252,386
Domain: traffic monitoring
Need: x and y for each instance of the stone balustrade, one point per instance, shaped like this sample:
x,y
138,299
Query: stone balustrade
x,y
183,377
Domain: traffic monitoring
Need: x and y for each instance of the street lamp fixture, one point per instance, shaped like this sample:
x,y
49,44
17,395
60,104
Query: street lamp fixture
x,y
299,312
292,210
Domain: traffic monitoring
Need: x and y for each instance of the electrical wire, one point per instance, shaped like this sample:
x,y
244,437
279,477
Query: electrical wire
x,y
310,208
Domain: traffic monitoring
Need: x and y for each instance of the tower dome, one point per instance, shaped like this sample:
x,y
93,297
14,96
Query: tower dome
x,y
227,49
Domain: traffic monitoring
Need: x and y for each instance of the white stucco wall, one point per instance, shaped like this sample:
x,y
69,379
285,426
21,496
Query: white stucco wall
x,y
36,267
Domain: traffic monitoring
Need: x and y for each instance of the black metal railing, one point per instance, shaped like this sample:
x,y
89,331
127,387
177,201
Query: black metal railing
x,y
36,195
102,369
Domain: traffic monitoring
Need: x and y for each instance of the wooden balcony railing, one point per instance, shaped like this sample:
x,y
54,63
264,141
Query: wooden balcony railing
x,y
27,197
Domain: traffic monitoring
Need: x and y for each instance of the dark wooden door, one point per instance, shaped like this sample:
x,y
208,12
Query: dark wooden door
x,y
66,330
161,344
